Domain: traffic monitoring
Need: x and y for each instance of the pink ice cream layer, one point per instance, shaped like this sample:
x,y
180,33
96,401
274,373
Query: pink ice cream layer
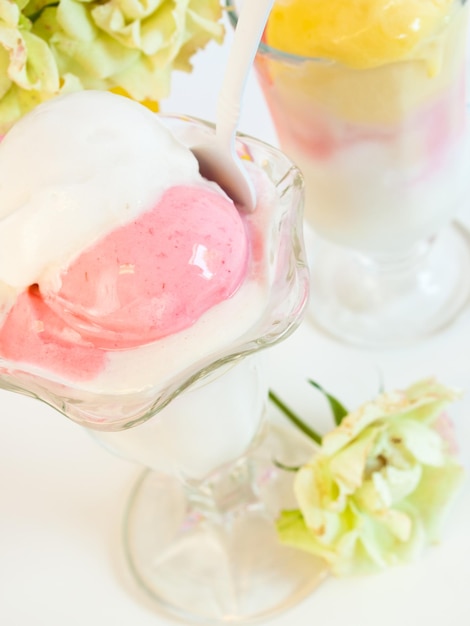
x,y
143,281
427,132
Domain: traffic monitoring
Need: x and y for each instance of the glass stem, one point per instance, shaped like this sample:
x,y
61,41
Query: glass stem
x,y
228,492
397,264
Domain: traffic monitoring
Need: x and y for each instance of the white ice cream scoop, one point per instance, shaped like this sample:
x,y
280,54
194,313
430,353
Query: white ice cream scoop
x,y
218,160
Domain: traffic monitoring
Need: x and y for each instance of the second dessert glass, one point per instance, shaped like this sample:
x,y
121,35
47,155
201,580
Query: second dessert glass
x,y
385,153
199,532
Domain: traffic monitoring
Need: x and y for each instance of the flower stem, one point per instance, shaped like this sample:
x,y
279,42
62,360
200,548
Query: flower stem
x,y
301,425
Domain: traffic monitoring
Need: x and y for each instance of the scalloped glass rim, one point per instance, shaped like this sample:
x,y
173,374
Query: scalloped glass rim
x,y
283,312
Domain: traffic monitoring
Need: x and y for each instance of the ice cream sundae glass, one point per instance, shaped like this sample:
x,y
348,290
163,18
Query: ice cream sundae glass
x,y
368,99
135,298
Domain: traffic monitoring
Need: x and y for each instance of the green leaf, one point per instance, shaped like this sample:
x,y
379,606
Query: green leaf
x,y
287,468
339,411
301,425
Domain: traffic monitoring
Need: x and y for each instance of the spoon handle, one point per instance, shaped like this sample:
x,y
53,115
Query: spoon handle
x,y
252,19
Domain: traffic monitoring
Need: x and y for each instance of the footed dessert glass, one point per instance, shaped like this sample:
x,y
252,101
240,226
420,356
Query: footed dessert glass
x,y
385,153
199,534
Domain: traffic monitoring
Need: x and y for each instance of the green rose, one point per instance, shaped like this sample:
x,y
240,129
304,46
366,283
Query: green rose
x,y
49,47
28,70
377,491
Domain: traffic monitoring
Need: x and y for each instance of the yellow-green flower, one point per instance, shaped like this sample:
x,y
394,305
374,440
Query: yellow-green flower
x,y
48,47
377,491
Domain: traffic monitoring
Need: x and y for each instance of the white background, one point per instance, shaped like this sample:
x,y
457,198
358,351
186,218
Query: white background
x,y
62,495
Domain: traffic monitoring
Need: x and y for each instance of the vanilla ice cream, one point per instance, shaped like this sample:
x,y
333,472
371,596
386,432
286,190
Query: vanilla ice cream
x,y
120,266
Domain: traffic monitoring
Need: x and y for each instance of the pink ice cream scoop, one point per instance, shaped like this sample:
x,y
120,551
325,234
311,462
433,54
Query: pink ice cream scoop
x,y
140,281
157,275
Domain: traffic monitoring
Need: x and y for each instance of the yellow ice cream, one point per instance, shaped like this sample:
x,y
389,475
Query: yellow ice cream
x,y
357,33
392,56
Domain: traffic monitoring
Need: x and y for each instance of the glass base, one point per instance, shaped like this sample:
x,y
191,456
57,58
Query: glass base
x,y
391,302
209,554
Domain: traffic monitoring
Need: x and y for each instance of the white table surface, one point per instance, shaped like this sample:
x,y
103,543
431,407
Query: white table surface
x,y
62,495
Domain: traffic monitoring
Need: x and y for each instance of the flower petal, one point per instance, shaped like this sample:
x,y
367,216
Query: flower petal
x,y
435,496
348,465
293,531
424,443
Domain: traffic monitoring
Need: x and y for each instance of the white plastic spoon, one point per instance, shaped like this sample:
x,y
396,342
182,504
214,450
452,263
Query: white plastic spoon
x,y
218,160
